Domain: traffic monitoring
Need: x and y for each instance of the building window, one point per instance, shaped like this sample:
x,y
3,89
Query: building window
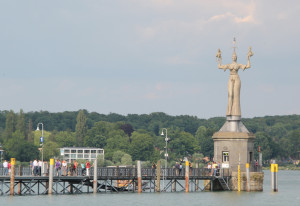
x,y
86,151
67,151
73,151
225,156
80,151
100,151
251,156
80,156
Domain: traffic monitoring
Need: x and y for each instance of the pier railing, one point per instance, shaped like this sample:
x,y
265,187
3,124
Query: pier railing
x,y
130,172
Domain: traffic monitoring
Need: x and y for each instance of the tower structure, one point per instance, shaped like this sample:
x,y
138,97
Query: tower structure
x,y
233,143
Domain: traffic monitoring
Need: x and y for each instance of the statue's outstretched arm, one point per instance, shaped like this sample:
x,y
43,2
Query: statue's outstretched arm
x,y
250,54
219,58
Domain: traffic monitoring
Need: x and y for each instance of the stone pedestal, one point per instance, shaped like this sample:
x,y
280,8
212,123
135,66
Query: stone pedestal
x,y
233,148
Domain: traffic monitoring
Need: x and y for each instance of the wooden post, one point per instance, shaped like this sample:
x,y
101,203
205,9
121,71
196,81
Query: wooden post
x,y
158,176
12,176
19,184
274,170
248,177
95,182
239,178
51,176
139,176
197,180
187,176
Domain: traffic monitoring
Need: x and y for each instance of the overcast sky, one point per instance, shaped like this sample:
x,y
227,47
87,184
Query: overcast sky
x,y
144,56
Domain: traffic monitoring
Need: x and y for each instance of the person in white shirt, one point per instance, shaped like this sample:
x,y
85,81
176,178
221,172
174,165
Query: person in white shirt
x,y
35,167
5,166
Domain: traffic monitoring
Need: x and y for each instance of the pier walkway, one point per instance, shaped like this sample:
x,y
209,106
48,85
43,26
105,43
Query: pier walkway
x,y
112,180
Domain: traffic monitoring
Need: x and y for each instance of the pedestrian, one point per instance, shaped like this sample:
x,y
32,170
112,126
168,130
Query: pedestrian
x,y
191,167
57,167
82,168
75,167
64,168
87,168
40,164
9,166
180,168
5,166
153,168
35,167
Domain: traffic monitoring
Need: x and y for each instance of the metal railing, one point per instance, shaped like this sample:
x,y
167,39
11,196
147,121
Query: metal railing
x,y
129,172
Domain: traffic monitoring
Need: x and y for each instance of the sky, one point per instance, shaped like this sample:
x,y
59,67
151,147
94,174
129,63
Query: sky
x,y
145,56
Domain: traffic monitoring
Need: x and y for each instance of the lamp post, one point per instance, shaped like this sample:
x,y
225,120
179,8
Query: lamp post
x,y
42,143
166,154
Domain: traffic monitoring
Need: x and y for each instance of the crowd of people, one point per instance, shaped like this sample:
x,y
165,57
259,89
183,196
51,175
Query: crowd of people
x,y
62,168
6,168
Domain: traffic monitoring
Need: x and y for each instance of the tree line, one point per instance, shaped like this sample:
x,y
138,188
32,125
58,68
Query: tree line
x,y
137,137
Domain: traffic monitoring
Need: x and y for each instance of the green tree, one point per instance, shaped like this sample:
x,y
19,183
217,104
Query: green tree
x,y
20,125
10,125
81,128
65,138
141,147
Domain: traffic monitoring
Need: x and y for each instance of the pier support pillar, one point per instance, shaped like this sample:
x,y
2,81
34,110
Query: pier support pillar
x,y
274,170
139,176
19,184
51,176
187,176
157,188
95,182
174,185
248,177
12,176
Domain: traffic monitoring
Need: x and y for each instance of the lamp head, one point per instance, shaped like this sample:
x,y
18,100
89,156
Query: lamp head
x,y
162,133
38,128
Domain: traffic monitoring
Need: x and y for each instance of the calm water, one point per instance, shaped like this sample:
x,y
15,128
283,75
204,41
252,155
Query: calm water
x,y
289,194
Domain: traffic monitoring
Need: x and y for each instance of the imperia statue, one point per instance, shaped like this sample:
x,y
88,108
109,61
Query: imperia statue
x,y
234,82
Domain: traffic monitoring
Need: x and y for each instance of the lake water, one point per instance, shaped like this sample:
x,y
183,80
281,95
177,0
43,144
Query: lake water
x,y
288,194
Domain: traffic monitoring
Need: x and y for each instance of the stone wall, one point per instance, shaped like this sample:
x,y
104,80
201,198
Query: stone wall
x,y
256,181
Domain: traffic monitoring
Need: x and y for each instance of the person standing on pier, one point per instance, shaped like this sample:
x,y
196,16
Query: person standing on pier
x,y
57,167
82,168
5,166
87,168
64,167
40,163
35,167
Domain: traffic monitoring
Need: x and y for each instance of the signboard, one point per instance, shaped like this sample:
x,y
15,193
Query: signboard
x,y
41,139
62,152
225,165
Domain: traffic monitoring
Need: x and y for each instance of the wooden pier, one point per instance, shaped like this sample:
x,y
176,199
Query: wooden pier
x,y
112,180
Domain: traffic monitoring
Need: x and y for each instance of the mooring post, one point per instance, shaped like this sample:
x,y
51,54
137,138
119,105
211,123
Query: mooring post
x,y
12,176
158,176
187,176
19,184
139,176
248,177
95,181
197,180
51,176
274,170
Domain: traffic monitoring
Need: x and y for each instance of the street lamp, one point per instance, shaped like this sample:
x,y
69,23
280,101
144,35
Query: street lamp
x,y
166,152
42,143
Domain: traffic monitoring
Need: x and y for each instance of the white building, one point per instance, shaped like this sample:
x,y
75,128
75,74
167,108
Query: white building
x,y
82,153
